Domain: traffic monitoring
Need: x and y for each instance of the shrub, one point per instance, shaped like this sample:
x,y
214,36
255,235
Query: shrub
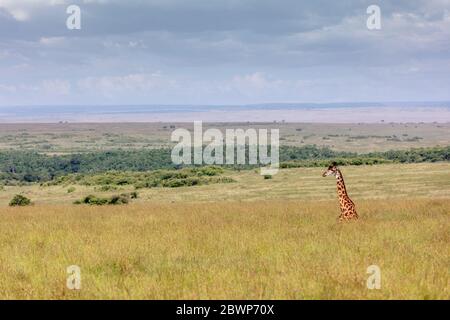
x,y
92,200
19,201
119,199
140,185
71,189
267,177
134,195
174,183
209,171
106,188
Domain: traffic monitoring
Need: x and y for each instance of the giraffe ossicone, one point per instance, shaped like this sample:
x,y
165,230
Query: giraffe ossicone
x,y
348,210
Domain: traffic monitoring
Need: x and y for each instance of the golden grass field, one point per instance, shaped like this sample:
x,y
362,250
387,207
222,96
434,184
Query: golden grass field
x,y
253,239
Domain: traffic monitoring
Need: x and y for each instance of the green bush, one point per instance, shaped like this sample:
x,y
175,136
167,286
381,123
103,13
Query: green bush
x,y
19,201
174,183
71,189
92,200
119,199
209,171
134,195
106,188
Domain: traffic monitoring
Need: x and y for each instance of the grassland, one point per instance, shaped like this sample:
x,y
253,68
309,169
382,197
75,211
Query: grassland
x,y
81,137
426,180
252,239
254,250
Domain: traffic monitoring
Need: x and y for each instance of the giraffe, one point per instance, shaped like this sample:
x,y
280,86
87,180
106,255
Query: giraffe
x,y
348,210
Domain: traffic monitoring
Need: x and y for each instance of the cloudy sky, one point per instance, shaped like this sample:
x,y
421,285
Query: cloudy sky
x,y
223,52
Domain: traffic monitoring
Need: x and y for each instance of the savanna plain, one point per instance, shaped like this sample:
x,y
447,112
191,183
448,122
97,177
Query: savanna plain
x,y
250,238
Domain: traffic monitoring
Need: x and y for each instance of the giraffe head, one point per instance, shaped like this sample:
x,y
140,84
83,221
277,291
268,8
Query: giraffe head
x,y
332,170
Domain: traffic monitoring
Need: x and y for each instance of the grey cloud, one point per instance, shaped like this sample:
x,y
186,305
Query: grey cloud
x,y
218,50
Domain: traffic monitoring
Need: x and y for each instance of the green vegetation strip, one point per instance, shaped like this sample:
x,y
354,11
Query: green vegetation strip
x,y
18,167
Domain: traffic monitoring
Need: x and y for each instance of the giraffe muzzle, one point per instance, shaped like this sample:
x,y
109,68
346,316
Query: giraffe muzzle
x,y
326,173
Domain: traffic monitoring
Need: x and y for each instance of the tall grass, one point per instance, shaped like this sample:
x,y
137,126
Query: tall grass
x,y
232,250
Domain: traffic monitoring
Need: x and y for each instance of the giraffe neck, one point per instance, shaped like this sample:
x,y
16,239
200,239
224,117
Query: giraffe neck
x,y
342,191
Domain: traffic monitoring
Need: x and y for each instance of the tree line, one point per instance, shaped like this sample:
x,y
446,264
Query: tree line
x,y
29,167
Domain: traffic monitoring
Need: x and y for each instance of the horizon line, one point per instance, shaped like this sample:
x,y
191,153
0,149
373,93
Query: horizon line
x,y
228,104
